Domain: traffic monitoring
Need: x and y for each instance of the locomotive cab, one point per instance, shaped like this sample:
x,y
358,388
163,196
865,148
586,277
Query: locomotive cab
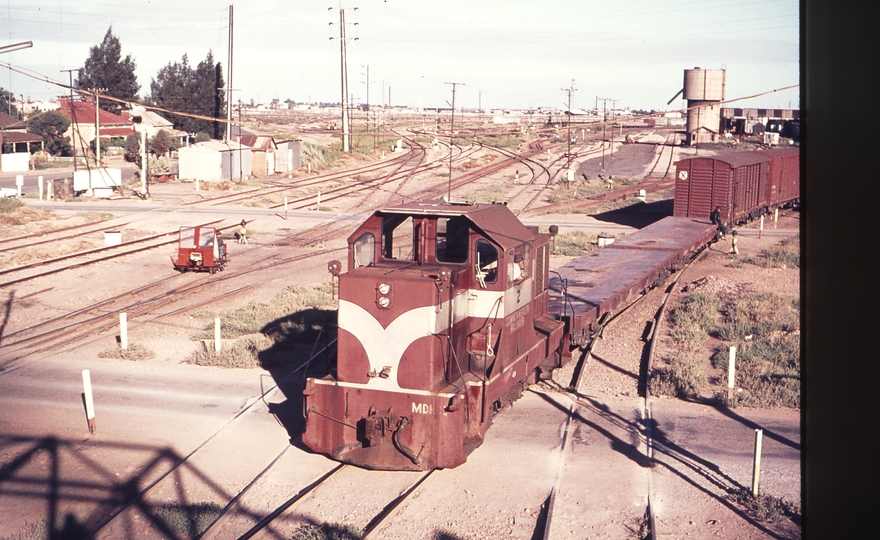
x,y
199,249
442,320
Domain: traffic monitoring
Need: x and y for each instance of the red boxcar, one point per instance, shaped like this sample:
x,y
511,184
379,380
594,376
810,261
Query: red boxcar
x,y
743,185
784,175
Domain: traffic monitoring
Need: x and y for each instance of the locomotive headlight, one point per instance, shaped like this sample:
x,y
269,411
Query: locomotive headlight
x,y
384,302
384,288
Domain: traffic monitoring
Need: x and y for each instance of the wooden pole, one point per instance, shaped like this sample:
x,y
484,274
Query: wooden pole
x,y
731,372
217,343
123,330
756,469
87,397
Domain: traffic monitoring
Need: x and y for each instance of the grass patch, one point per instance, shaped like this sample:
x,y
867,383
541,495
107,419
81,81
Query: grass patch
x,y
327,531
297,315
684,376
188,520
243,354
574,244
134,352
255,317
691,320
765,328
31,531
759,315
786,254
765,508
9,205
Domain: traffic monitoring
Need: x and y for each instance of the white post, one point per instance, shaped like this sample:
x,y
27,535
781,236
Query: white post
x,y
761,228
40,187
309,166
197,184
318,207
731,371
548,154
756,469
217,344
90,404
775,217
49,191
19,182
144,162
285,208
123,330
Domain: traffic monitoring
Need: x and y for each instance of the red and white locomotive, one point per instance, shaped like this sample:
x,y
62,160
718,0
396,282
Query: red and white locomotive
x,y
442,320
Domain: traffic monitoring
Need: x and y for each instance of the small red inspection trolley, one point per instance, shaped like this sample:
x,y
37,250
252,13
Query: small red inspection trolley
x,y
200,249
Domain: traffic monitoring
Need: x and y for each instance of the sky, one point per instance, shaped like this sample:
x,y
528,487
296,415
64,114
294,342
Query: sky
x,y
513,54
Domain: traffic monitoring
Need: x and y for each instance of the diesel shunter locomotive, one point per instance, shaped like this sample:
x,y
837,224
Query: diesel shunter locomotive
x,y
442,321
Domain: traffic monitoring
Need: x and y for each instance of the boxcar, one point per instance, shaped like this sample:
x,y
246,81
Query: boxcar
x,y
784,175
743,185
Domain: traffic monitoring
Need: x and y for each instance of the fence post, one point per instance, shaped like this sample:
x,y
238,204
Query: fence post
x,y
123,330
217,343
756,469
731,371
87,397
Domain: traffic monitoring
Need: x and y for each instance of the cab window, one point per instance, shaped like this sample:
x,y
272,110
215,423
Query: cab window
x,y
486,266
365,250
397,238
518,265
452,239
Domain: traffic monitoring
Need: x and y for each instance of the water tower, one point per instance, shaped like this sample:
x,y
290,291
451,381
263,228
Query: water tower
x,y
704,92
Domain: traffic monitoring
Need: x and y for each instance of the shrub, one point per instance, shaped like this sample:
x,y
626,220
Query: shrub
x,y
685,376
243,354
758,315
134,352
189,520
327,531
691,320
765,508
9,205
786,254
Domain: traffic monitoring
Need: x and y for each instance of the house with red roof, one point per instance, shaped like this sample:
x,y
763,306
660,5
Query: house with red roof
x,y
84,124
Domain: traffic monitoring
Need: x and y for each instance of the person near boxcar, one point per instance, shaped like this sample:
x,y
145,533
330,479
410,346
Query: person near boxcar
x,y
734,243
715,218
241,233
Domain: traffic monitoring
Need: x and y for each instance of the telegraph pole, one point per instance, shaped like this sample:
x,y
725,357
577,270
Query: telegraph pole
x,y
570,90
604,122
229,82
346,144
451,136
73,114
